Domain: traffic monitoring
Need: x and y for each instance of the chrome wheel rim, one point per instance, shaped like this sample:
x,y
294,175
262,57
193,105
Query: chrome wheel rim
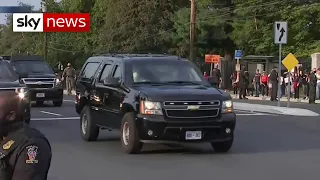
x,y
84,124
125,133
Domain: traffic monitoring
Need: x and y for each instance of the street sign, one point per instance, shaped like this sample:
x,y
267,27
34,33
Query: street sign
x,y
290,62
211,58
238,54
280,32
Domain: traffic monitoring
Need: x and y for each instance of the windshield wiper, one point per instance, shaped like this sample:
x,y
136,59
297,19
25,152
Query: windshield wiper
x,y
182,82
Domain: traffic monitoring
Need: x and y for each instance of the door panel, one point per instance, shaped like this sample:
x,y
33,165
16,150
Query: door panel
x,y
101,97
116,96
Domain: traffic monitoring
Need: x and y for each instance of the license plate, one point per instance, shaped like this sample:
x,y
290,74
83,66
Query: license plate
x,y
40,95
193,135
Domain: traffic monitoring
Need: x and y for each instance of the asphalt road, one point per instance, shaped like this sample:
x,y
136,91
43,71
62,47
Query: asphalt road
x,y
266,147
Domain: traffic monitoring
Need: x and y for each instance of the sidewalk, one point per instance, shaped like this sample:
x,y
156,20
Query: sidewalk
x,y
66,93
266,98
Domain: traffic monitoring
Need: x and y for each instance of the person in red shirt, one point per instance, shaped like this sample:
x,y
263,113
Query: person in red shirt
x,y
205,75
264,83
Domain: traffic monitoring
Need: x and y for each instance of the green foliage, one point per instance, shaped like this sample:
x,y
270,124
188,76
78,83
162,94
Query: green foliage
x,y
162,26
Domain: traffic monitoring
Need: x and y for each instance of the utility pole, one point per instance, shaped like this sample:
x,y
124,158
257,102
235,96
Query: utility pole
x,y
45,46
192,29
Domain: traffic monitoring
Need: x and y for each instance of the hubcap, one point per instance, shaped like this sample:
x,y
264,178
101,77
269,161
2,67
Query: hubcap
x,y
84,124
125,133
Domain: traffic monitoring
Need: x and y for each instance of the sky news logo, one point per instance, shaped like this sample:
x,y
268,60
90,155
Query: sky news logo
x,y
51,22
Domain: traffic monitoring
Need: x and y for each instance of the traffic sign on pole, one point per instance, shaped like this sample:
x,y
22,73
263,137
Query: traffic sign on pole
x,y
280,32
290,61
238,54
280,37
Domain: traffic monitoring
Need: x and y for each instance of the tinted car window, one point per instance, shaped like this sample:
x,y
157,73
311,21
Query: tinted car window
x,y
89,70
32,67
117,72
105,72
7,72
164,71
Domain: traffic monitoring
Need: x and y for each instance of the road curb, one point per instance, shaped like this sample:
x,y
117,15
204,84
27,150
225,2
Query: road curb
x,y
273,109
66,92
283,99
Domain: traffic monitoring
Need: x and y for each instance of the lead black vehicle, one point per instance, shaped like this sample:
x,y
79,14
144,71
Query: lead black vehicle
x,y
152,98
9,81
39,77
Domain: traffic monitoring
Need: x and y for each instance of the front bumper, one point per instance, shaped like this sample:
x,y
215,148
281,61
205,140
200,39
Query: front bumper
x,y
51,94
162,130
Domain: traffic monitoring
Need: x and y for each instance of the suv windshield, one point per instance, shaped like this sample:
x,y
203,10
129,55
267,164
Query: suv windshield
x,y
165,72
6,72
32,67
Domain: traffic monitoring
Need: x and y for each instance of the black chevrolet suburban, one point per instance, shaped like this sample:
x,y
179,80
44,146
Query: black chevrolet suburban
x,y
152,98
39,77
9,81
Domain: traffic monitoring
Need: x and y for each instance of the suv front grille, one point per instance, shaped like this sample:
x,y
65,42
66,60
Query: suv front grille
x,y
39,83
182,109
8,89
39,86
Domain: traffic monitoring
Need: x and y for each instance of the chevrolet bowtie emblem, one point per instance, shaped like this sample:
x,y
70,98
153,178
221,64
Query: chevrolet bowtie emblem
x,y
193,108
39,82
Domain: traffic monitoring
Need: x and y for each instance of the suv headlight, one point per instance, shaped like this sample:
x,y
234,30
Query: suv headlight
x,y
150,108
22,92
57,82
227,106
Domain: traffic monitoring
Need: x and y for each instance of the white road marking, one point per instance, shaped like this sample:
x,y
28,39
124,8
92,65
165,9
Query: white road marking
x,y
46,112
68,100
257,114
53,119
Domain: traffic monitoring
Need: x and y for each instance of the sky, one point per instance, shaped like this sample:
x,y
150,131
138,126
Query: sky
x,y
35,3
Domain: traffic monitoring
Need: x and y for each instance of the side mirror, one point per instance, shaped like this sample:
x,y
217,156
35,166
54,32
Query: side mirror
x,y
112,82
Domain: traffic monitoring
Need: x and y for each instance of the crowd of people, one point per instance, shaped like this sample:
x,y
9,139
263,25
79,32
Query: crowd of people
x,y
305,85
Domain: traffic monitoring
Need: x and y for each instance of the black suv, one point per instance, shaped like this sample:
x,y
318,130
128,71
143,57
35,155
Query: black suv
x,y
152,98
39,77
9,81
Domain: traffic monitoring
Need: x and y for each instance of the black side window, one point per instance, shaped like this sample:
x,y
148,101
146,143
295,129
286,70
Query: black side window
x,y
89,70
117,72
105,72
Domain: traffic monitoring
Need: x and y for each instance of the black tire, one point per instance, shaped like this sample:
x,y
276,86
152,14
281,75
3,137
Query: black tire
x,y
39,103
222,147
58,103
133,144
91,130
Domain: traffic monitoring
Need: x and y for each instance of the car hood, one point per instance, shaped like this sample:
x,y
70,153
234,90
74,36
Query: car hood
x,y
10,84
41,76
181,93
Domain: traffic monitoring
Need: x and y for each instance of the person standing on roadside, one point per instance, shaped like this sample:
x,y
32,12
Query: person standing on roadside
x,y
25,153
215,77
264,83
69,74
205,75
243,83
312,86
305,85
274,84
256,83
